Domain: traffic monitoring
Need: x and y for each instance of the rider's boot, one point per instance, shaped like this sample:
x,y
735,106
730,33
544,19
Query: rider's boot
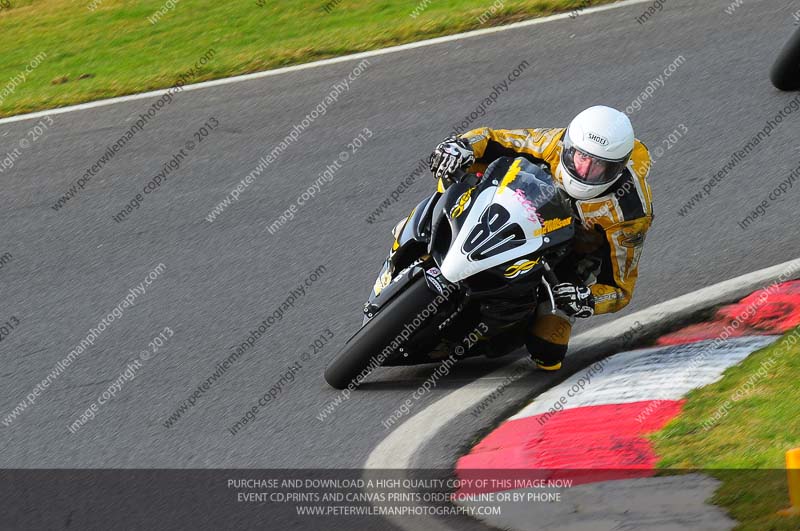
x,y
549,338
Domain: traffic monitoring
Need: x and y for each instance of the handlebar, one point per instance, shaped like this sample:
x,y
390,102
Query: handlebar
x,y
549,275
549,280
460,176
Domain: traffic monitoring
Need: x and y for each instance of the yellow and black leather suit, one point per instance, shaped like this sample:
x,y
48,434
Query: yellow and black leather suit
x,y
611,232
614,223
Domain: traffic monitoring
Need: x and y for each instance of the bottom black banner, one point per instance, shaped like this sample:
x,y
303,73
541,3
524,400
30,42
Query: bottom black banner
x,y
311,499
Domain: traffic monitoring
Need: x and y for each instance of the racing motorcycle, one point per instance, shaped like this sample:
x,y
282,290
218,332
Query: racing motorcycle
x,y
465,274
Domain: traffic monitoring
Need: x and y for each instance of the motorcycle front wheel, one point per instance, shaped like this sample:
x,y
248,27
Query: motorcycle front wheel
x,y
365,350
785,73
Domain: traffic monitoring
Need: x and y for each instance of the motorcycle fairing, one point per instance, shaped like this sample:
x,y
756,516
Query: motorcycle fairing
x,y
417,226
515,212
410,242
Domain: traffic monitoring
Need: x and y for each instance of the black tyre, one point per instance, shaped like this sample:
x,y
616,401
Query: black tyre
x,y
358,353
785,73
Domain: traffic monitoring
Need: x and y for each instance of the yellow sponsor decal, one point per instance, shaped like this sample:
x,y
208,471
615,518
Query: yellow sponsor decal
x,y
551,225
398,230
518,268
463,203
510,176
384,280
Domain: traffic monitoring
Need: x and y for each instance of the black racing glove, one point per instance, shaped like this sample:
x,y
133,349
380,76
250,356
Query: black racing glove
x,y
574,300
452,154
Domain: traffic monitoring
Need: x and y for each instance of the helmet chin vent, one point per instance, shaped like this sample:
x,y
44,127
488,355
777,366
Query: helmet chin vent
x,y
578,190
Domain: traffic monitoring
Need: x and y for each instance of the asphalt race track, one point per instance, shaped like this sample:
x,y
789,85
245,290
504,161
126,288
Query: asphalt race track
x,y
73,266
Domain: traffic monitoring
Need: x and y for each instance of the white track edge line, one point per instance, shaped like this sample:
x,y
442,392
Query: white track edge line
x,y
315,64
397,450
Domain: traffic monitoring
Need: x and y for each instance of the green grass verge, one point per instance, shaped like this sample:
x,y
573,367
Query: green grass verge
x,y
113,49
747,420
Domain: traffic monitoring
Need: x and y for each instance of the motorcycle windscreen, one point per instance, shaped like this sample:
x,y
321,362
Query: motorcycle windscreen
x,y
504,223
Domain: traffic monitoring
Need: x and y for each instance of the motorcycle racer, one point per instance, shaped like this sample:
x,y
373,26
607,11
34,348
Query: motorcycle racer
x,y
603,168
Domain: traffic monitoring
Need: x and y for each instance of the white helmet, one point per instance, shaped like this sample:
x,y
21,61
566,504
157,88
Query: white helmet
x,y
597,145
